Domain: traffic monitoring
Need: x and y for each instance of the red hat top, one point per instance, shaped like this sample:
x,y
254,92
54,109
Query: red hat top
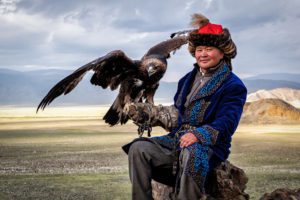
x,y
209,28
208,34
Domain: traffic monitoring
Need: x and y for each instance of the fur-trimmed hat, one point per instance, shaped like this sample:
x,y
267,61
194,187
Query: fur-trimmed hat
x,y
208,34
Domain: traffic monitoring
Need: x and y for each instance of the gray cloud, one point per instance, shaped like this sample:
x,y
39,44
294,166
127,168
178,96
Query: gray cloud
x,y
67,34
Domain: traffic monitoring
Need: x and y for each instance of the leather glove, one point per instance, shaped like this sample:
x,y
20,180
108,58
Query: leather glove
x,y
149,115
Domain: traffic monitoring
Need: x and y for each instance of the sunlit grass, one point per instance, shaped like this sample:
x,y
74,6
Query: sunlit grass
x,y
65,186
78,157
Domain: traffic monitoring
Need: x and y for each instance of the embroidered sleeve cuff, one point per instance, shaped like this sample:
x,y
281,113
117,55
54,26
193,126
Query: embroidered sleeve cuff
x,y
206,135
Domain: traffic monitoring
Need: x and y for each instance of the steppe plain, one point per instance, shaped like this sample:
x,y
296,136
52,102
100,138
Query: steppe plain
x,y
70,153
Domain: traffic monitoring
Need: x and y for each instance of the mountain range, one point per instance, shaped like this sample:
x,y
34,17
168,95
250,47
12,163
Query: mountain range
x,y
271,98
29,87
277,76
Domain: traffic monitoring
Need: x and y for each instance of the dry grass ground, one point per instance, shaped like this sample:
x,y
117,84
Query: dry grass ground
x,y
73,156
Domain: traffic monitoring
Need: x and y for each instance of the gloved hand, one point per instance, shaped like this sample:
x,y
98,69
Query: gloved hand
x,y
147,115
137,112
142,114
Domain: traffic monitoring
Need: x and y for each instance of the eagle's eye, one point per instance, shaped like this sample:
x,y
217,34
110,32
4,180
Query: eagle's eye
x,y
152,69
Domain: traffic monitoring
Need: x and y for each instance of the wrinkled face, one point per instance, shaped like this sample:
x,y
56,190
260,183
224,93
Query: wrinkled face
x,y
207,56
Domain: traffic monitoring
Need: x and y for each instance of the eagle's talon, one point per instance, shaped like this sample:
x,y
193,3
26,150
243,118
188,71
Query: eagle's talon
x,y
140,132
149,131
142,128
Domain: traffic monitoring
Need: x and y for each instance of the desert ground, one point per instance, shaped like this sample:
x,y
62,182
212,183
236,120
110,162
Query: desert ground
x,y
70,153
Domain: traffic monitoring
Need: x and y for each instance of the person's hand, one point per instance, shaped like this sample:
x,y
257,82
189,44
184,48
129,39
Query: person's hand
x,y
187,140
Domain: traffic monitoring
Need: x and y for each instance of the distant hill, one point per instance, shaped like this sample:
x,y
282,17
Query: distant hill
x,y
270,111
28,88
289,95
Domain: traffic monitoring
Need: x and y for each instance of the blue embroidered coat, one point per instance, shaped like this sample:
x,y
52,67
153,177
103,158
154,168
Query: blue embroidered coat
x,y
214,111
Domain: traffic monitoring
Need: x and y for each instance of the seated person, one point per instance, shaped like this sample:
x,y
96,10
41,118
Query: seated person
x,y
207,108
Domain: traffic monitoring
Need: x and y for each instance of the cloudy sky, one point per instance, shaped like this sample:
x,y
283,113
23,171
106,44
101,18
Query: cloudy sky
x,y
65,34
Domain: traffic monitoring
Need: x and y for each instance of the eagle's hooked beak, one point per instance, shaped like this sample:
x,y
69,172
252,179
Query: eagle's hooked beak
x,y
151,70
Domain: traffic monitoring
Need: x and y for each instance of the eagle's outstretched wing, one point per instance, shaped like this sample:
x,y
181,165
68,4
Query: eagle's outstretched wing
x,y
109,70
166,47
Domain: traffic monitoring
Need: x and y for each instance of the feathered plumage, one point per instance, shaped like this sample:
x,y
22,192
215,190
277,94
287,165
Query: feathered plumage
x,y
138,79
198,20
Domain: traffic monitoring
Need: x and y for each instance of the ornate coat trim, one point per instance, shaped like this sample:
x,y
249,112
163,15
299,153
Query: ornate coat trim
x,y
214,83
208,88
194,113
206,135
198,163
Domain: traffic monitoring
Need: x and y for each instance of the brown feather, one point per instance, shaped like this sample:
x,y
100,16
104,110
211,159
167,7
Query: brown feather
x,y
103,75
198,20
116,69
166,47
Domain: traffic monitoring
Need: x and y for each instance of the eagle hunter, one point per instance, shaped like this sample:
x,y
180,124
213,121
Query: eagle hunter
x,y
138,79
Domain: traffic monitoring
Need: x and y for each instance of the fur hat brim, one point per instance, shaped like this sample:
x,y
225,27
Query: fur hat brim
x,y
221,41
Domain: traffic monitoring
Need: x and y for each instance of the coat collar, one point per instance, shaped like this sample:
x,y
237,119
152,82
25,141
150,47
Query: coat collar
x,y
214,82
218,77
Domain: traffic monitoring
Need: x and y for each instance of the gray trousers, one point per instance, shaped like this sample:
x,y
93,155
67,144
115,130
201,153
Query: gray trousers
x,y
146,159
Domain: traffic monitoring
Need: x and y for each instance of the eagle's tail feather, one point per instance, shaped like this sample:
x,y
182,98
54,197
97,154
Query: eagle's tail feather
x,y
124,118
112,116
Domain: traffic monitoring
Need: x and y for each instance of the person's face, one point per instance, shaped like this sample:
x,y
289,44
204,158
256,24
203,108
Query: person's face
x,y
207,56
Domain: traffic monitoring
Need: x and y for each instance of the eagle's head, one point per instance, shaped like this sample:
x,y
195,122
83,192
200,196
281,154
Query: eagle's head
x,y
155,60
155,66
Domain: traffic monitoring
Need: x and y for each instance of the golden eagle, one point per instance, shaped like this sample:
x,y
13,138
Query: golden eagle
x,y
138,79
